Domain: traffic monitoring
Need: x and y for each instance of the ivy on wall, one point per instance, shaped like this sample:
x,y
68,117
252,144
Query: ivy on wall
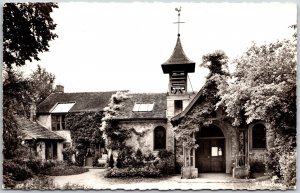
x,y
115,136
207,103
85,132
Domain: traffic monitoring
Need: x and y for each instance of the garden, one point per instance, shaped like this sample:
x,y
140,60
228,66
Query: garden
x,y
136,164
34,173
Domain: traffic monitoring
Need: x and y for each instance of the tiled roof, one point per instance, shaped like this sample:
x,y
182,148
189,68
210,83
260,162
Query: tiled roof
x,y
178,56
159,108
85,101
33,130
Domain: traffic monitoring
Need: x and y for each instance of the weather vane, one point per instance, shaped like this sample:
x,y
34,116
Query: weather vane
x,y
178,10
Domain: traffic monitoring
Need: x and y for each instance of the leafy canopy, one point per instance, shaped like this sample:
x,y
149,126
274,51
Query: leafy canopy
x,y
27,30
264,86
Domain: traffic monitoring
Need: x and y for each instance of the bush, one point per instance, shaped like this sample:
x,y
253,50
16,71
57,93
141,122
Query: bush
x,y
40,182
147,172
64,170
287,163
150,157
165,162
272,162
125,158
16,171
111,161
69,186
80,157
34,165
139,159
95,161
67,154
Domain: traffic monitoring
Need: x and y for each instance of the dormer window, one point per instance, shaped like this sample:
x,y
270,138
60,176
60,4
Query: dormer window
x,y
58,113
143,107
62,107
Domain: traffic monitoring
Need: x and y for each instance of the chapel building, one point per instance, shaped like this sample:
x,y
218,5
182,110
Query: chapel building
x,y
153,117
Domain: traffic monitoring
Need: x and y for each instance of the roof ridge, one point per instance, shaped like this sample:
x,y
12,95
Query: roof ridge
x,y
89,92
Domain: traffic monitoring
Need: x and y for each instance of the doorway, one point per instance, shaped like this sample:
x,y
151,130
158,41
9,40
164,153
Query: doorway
x,y
210,155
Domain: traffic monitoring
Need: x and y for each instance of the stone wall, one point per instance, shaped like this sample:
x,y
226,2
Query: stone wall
x,y
144,140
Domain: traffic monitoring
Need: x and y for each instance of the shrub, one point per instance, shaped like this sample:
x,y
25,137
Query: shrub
x,y
125,158
16,171
138,161
150,157
40,182
69,186
67,154
64,170
147,171
80,157
165,161
272,162
95,161
35,165
287,163
111,161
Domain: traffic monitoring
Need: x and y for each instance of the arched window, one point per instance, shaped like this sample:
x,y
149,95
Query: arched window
x,y
159,138
259,136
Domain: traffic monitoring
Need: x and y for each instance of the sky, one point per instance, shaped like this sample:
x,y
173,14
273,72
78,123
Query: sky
x,y
121,46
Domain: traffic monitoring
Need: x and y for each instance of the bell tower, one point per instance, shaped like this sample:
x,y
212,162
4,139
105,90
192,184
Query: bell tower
x,y
177,66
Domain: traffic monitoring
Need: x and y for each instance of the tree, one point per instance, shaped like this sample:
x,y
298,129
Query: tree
x,y
42,84
264,86
27,30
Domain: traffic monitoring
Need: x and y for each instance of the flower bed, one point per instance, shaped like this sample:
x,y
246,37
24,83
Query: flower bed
x,y
148,172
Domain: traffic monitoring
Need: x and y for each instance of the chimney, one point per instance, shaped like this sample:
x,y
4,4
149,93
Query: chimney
x,y
59,89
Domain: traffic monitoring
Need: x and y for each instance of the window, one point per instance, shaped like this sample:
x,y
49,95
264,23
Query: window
x,y
143,107
159,138
259,136
177,106
58,122
62,107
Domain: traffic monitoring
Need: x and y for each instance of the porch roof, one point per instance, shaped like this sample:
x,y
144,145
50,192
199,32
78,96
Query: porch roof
x,y
33,130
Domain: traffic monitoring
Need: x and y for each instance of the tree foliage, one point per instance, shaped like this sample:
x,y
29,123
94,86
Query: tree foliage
x,y
264,86
42,84
27,30
216,62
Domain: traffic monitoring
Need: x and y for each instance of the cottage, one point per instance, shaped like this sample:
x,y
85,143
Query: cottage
x,y
51,113
42,142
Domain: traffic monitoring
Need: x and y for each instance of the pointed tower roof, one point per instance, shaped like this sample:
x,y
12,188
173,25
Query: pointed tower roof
x,y
178,60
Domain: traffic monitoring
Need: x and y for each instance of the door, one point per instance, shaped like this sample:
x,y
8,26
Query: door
x,y
210,155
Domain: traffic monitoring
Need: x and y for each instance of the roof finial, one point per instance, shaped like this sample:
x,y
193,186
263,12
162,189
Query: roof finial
x,y
178,10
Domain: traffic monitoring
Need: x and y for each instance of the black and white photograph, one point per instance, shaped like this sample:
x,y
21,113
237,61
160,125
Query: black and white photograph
x,y
141,95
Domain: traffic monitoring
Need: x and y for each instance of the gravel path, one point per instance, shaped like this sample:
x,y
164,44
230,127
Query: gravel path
x,y
94,179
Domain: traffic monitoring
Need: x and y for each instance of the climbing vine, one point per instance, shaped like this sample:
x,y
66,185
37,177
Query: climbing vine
x,y
114,135
85,132
202,112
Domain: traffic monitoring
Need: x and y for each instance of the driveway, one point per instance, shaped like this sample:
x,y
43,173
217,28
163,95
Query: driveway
x,y
94,179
